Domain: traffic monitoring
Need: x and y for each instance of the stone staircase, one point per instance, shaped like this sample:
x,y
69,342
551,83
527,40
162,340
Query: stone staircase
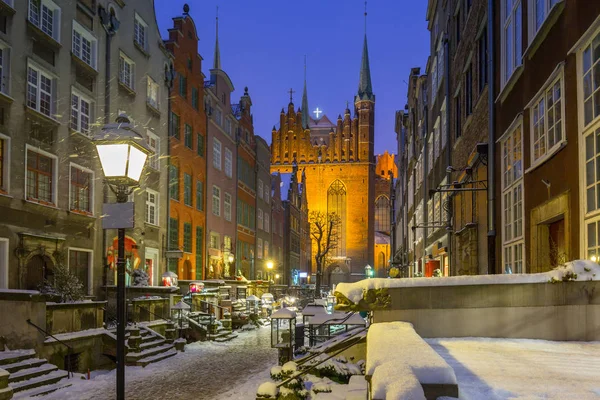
x,y
31,376
147,347
218,331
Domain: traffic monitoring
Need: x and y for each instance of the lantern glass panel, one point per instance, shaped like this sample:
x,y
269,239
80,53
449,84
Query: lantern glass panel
x,y
113,158
137,159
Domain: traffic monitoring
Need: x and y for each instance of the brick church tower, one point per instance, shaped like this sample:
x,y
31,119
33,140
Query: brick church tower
x,y
339,163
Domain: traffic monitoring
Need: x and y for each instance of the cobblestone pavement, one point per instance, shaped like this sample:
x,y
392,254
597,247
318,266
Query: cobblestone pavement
x,y
206,370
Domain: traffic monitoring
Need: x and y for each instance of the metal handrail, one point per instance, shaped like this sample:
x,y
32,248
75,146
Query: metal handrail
x,y
307,370
353,334
157,316
69,348
341,320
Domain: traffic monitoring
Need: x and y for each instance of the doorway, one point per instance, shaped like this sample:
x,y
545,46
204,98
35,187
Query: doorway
x,y
556,243
39,269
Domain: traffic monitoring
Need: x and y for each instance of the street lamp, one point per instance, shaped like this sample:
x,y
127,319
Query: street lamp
x,y
123,153
270,268
368,271
230,259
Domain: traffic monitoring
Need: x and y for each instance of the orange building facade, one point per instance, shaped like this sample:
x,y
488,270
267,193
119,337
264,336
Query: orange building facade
x,y
187,151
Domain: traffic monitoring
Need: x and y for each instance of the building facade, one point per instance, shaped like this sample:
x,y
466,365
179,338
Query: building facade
x,y
51,182
337,160
277,226
264,220
221,173
249,250
386,172
187,152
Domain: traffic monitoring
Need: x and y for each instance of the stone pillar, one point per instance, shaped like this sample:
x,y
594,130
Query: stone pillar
x,y
135,340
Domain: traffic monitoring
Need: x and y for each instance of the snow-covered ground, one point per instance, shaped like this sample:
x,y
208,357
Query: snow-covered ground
x,y
499,369
206,370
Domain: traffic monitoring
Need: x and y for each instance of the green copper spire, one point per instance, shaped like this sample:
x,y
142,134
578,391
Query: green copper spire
x,y
365,89
305,116
217,58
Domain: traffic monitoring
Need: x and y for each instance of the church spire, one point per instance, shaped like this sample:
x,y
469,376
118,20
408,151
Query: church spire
x,y
217,58
305,116
365,89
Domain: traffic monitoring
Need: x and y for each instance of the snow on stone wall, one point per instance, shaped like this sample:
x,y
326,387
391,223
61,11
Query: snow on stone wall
x,y
579,270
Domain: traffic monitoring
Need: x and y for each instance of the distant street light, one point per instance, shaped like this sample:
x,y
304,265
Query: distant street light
x,y
123,153
269,276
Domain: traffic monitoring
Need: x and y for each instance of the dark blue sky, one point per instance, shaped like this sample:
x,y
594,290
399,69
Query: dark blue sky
x,y
263,43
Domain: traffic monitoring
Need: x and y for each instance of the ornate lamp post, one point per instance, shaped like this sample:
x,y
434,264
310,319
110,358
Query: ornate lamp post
x,y
368,271
270,271
230,259
123,153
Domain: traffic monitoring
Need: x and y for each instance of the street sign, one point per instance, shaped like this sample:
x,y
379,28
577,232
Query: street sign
x,y
117,215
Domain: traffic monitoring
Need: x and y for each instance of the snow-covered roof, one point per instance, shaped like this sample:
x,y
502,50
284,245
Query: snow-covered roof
x,y
267,296
252,298
585,270
313,309
336,319
180,306
283,313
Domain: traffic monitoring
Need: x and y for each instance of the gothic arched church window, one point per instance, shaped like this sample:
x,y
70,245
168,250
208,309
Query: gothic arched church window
x,y
382,214
336,203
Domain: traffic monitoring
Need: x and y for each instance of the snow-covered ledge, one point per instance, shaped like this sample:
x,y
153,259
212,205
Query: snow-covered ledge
x,y
558,305
74,316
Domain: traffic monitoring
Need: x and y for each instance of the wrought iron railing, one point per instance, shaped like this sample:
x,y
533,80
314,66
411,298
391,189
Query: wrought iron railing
x,y
69,348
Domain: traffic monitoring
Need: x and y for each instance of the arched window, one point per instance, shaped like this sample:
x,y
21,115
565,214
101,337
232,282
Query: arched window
x,y
382,214
381,260
336,203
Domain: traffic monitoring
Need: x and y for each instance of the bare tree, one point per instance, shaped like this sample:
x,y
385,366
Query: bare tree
x,y
324,231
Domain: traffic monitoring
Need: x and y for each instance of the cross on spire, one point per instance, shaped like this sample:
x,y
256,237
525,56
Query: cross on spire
x,y
291,92
317,112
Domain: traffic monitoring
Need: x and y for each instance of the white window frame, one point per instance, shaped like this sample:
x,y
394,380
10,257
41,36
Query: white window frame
x,y
39,91
81,98
152,93
90,282
156,206
218,116
511,240
93,43
217,237
267,222
153,159
259,248
123,59
266,249
6,163
259,217
217,147
267,195
260,188
54,158
4,267
557,77
516,13
5,70
91,189
216,200
56,17
227,200
228,163
137,24
532,9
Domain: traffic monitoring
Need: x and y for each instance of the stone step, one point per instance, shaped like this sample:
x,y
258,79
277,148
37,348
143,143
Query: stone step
x,y
14,356
148,338
226,338
42,390
29,373
38,381
134,357
150,344
28,363
155,358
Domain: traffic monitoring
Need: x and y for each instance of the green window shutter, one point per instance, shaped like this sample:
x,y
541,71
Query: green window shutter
x,y
200,145
173,234
174,182
187,189
187,237
199,255
199,196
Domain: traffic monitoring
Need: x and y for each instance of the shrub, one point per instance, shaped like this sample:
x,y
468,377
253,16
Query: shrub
x,y
65,285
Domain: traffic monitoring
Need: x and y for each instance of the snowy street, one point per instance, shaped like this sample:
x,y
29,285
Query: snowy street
x,y
206,370
502,369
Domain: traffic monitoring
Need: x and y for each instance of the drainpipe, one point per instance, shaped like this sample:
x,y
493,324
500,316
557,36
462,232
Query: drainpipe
x,y
449,227
491,169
